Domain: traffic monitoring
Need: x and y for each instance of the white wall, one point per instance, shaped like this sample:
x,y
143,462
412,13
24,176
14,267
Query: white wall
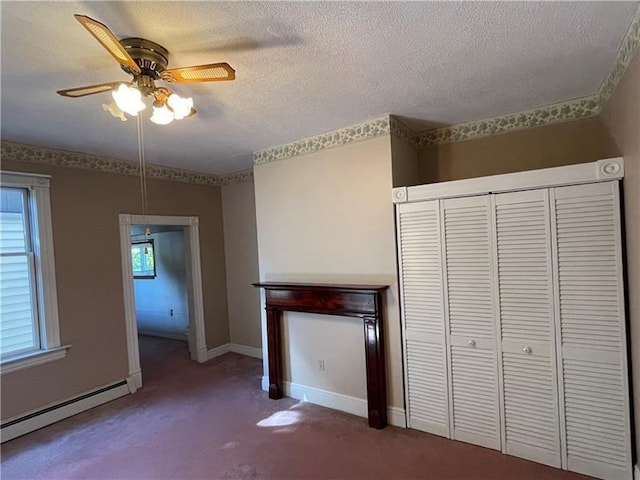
x,y
161,303
328,217
241,257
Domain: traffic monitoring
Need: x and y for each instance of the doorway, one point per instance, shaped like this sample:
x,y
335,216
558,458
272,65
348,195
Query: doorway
x,y
194,304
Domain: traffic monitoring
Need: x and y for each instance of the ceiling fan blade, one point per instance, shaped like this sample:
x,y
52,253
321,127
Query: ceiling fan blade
x,y
88,90
214,72
108,41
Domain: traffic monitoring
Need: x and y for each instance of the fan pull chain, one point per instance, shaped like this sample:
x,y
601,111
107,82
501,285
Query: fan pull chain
x,y
143,173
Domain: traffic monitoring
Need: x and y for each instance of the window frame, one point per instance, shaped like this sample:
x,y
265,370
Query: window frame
x,y
46,297
153,250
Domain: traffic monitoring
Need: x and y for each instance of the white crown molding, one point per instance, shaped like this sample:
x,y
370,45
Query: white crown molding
x,y
60,158
336,138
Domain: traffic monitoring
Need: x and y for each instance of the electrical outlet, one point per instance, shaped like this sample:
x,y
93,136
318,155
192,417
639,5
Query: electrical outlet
x,y
321,364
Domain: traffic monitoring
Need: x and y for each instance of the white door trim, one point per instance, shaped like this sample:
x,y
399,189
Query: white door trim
x,y
194,288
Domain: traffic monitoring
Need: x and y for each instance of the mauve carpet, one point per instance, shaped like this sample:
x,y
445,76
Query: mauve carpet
x,y
212,421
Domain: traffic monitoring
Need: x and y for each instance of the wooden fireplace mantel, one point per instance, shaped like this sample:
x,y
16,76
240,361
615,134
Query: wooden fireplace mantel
x,y
361,301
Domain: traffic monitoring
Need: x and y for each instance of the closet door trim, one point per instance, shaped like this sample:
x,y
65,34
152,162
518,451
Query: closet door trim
x,y
600,171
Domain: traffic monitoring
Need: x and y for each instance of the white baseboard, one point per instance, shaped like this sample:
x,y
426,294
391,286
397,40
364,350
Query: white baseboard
x,y
246,350
217,351
396,417
234,347
202,355
134,381
337,401
30,421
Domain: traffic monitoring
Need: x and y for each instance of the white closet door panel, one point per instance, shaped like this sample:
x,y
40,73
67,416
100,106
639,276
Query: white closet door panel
x,y
427,387
469,268
423,317
530,404
470,317
597,430
529,374
524,266
592,333
475,408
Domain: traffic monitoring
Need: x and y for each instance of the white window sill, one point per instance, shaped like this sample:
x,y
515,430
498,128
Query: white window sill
x,y
31,359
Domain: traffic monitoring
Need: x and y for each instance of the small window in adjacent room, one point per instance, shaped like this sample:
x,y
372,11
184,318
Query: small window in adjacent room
x,y
143,259
29,330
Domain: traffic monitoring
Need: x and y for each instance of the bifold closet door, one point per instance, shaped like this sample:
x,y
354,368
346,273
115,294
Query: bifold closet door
x,y
591,335
423,317
527,327
470,313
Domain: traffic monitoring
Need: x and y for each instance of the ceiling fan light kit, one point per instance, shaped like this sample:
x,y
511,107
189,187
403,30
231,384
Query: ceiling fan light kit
x,y
146,62
128,99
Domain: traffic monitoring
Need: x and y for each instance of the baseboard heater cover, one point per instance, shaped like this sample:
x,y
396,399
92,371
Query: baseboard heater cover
x,y
54,413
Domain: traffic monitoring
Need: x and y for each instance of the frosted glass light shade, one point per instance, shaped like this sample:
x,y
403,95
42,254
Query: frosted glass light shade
x,y
161,115
181,106
128,99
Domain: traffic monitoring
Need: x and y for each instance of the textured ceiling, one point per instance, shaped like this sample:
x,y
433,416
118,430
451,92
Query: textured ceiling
x,y
302,68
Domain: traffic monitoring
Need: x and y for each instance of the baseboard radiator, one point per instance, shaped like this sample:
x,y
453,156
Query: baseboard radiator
x,y
16,427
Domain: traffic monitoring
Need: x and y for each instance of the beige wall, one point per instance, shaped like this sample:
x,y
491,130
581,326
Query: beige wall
x,y
405,167
85,206
543,147
241,253
328,217
622,118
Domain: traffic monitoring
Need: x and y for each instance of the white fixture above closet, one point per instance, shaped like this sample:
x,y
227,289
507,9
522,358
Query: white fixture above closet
x,y
513,315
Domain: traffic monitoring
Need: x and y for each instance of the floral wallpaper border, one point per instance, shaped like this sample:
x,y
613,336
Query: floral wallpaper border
x,y
627,49
335,138
35,154
404,133
237,177
559,112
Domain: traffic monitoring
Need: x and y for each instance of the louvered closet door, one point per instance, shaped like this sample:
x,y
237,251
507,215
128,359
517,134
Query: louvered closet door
x,y
527,332
592,330
470,321
423,317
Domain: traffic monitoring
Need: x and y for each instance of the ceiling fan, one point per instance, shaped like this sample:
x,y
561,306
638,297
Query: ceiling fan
x,y
147,62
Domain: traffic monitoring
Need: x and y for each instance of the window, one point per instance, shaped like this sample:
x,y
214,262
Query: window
x,y
29,332
143,259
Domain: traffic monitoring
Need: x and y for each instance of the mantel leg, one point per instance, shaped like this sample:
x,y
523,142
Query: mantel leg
x,y
376,378
274,340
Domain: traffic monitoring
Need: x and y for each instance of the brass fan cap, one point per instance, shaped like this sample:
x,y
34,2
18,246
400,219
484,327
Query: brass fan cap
x,y
149,56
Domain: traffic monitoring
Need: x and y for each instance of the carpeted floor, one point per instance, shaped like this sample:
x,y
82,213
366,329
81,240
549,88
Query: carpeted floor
x,y
212,421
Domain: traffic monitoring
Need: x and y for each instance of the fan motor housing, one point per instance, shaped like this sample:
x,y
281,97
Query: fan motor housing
x,y
151,57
